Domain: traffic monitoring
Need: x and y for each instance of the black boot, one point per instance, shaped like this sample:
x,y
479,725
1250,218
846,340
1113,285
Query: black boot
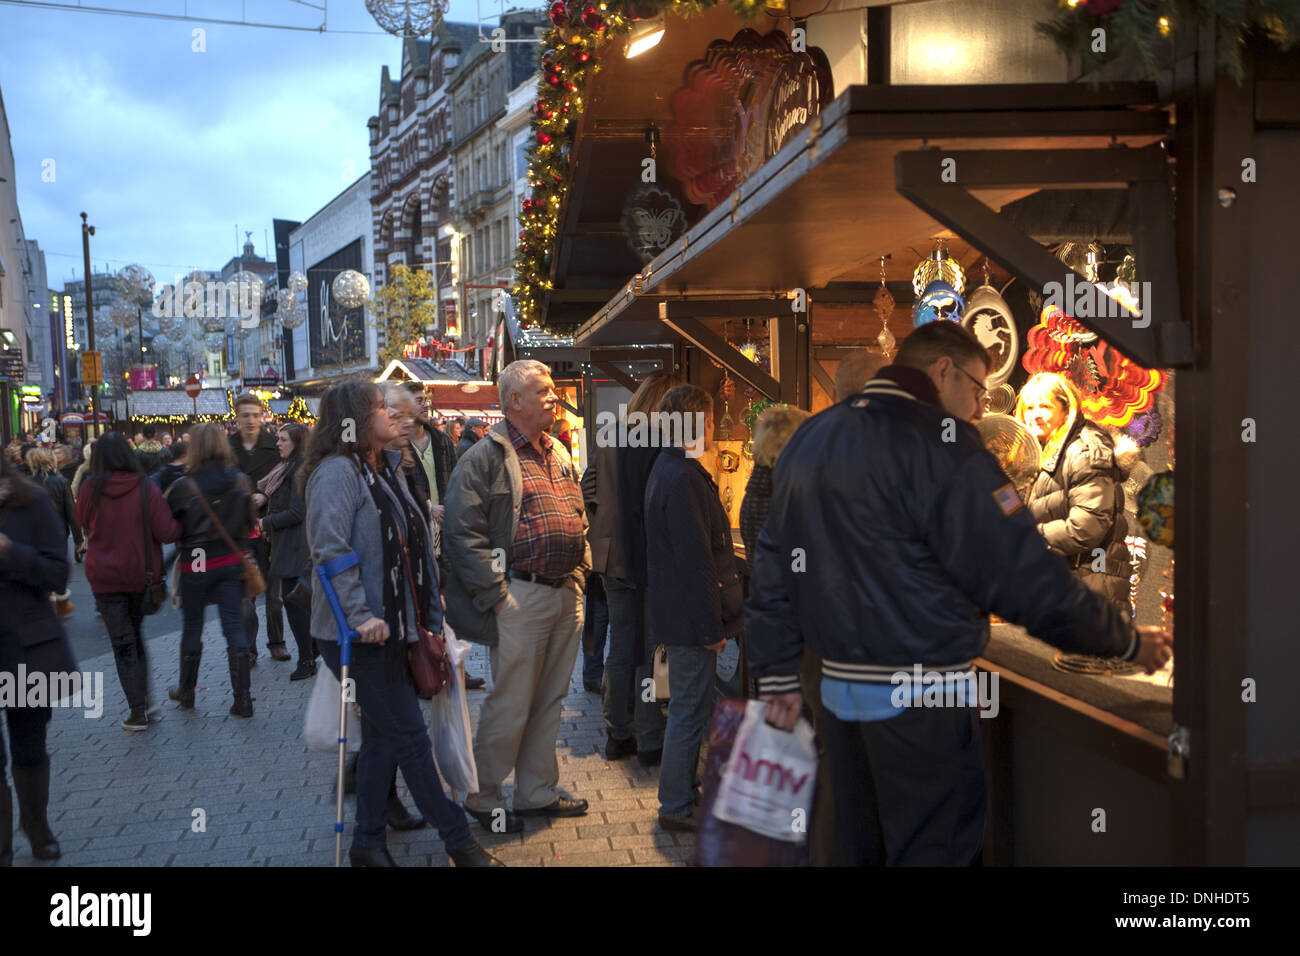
x,y
306,658
239,663
184,694
6,825
33,787
472,855
399,818
370,856
128,675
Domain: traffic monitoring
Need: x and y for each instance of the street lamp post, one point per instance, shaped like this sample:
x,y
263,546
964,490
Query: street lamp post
x,y
86,232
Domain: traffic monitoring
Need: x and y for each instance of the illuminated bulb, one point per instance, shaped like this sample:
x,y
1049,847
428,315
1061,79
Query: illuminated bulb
x,y
1165,26
644,36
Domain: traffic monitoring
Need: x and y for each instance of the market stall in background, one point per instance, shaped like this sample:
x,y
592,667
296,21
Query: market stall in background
x,y
911,163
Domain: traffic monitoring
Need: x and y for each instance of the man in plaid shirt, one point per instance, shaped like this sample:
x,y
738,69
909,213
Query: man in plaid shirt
x,y
516,556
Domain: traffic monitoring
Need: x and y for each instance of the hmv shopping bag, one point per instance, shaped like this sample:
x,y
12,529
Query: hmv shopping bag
x,y
767,786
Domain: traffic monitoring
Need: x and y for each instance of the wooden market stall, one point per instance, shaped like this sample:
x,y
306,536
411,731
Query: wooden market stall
x,y
757,258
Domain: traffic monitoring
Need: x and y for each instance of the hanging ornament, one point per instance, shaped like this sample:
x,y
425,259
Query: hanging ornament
x,y
409,19
989,318
285,301
297,282
652,218
543,139
350,288
294,318
940,266
883,303
558,12
938,301
1102,8
591,18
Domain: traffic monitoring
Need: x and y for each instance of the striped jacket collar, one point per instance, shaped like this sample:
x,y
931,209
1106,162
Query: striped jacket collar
x,y
901,381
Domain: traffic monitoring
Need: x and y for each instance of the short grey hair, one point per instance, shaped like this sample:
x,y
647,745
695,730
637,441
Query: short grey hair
x,y
514,376
395,396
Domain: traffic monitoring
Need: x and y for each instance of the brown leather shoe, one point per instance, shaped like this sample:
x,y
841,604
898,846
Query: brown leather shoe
x,y
474,683
279,653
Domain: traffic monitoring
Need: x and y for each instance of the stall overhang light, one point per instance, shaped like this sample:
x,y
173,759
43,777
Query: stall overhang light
x,y
645,35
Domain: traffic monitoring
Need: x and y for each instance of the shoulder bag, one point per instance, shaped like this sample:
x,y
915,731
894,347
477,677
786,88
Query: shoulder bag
x,y
155,591
430,663
254,583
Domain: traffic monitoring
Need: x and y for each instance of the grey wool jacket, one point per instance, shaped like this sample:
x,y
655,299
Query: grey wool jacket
x,y
484,496
342,517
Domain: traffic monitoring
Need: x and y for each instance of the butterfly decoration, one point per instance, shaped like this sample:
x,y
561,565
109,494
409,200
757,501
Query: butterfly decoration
x,y
652,218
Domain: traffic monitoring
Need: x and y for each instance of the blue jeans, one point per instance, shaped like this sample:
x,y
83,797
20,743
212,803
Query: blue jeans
x,y
196,586
626,709
393,734
691,674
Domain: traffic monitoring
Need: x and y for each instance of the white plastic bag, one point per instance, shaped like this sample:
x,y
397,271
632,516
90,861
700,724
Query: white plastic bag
x,y
320,725
453,741
768,784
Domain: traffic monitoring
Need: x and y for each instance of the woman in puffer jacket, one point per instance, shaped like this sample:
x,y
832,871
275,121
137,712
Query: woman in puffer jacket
x,y
1078,497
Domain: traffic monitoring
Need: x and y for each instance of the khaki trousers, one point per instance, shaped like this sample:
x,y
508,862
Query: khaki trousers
x,y
540,629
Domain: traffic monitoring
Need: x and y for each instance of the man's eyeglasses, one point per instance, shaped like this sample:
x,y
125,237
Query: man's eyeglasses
x,y
980,385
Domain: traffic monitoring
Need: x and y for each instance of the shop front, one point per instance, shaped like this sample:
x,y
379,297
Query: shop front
x,y
1100,233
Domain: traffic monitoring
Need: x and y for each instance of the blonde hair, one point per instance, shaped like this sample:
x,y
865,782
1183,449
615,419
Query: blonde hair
x,y
209,442
38,460
773,429
1047,385
651,391
397,396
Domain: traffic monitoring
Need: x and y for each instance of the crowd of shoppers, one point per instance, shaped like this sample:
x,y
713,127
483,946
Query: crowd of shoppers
x,y
493,531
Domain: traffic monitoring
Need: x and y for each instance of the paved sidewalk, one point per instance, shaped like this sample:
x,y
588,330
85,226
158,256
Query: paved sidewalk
x,y
130,799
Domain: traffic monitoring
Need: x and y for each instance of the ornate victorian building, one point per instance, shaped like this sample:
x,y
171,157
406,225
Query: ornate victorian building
x,y
441,111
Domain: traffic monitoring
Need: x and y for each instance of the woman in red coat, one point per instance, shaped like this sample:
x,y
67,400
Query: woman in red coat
x,y
110,507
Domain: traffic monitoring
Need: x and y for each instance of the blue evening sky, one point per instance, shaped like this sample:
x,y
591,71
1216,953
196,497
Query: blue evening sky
x,y
168,149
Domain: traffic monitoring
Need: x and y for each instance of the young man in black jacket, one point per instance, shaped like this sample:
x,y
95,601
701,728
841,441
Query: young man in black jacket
x,y
892,535
255,455
435,457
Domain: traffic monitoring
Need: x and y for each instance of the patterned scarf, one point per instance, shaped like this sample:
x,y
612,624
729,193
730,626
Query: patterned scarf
x,y
398,519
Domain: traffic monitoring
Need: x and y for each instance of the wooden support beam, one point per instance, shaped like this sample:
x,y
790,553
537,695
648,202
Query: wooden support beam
x,y
823,379
617,374
713,345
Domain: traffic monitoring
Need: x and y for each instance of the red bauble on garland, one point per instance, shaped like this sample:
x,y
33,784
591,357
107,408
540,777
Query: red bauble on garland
x,y
544,139
559,13
1102,8
591,18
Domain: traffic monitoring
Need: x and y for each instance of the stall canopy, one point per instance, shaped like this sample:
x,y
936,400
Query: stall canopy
x,y
175,405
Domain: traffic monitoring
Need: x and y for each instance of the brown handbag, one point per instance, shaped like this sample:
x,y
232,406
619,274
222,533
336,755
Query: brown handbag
x,y
254,583
430,663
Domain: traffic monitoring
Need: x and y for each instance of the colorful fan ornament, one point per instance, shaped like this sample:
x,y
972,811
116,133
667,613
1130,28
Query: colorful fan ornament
x,y
938,300
1113,389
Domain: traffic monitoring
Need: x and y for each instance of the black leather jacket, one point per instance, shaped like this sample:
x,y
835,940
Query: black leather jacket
x,y
60,492
887,546
229,492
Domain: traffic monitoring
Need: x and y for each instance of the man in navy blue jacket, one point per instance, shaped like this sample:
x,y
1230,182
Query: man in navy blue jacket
x,y
892,535
694,594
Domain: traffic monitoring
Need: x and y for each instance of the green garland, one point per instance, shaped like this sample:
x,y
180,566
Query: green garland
x,y
1142,29
568,62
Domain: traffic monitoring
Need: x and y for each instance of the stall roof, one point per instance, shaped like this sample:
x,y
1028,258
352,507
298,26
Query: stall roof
x,y
425,370
160,402
826,208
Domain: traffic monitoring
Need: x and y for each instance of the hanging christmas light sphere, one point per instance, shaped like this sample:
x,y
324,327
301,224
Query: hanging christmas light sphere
x,y
297,282
350,288
293,318
409,19
285,300
214,341
212,320
247,288
135,284
124,316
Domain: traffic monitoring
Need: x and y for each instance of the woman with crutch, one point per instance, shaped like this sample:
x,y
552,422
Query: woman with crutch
x,y
357,505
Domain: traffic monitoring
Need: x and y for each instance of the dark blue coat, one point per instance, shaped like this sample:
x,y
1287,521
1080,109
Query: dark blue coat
x,y
887,546
694,587
35,566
